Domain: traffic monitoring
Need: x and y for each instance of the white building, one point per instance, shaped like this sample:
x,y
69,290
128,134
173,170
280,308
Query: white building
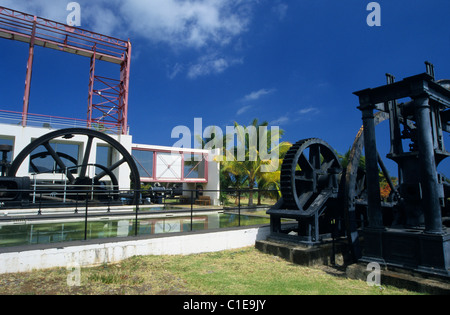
x,y
193,168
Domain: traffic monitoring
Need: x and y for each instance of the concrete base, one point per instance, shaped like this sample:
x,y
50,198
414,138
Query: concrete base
x,y
408,249
401,278
319,255
301,254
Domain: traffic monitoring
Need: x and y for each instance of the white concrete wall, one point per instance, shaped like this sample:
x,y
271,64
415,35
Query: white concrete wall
x,y
124,170
213,178
95,254
22,136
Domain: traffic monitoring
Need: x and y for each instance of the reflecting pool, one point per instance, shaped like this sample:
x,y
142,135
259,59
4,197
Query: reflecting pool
x,y
27,233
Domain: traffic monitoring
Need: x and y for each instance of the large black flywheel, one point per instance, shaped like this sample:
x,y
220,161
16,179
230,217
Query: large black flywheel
x,y
76,175
310,168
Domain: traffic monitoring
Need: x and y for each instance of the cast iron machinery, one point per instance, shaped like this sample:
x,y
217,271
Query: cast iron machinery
x,y
408,229
309,183
70,178
416,235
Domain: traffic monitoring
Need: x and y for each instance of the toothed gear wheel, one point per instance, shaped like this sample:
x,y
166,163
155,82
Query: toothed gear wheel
x,y
308,167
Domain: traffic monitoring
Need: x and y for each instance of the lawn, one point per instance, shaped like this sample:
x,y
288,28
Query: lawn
x,y
236,272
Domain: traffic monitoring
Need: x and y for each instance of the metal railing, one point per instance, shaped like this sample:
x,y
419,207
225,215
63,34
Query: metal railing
x,y
55,122
27,214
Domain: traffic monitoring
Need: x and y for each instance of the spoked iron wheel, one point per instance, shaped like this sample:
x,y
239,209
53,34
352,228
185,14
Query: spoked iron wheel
x,y
78,175
309,167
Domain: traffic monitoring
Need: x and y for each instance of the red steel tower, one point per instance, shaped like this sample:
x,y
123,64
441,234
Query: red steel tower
x,y
107,97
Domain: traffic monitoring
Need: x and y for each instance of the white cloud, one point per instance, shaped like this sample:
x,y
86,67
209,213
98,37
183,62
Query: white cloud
x,y
279,121
243,109
102,20
308,110
175,70
253,96
280,10
50,9
194,23
210,64
299,115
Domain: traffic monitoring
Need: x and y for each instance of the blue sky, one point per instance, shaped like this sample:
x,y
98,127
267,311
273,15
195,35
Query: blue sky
x,y
292,63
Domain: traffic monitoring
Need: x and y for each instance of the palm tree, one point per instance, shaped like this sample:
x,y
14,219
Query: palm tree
x,y
268,181
247,158
246,162
228,176
344,159
231,178
271,180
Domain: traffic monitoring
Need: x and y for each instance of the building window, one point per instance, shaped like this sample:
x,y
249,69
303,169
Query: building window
x,y
42,162
9,155
194,166
144,162
104,155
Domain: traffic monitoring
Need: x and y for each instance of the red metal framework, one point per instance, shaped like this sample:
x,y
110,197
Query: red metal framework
x,y
107,97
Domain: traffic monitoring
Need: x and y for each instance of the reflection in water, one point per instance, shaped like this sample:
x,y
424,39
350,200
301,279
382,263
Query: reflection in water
x,y
44,233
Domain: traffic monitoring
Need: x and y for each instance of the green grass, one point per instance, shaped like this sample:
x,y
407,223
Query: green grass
x,y
237,272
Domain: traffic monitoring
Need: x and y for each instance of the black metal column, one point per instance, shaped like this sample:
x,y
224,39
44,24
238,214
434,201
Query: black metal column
x,y
373,182
427,164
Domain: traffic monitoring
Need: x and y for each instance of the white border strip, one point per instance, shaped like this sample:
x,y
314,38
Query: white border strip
x,y
96,254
